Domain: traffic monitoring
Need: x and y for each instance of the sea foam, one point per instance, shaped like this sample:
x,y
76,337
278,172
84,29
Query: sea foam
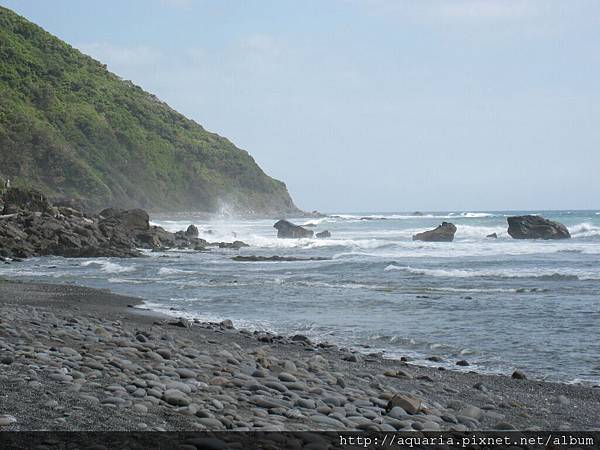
x,y
108,266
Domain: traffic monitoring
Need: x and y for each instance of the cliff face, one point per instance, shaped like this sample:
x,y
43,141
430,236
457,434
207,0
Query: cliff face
x,y
70,128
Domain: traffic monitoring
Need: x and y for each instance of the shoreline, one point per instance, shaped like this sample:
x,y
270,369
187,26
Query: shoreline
x,y
77,358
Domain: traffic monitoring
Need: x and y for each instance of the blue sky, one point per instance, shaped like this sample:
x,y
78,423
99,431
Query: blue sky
x,y
373,105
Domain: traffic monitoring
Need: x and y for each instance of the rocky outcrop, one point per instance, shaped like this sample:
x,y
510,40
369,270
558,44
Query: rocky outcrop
x,y
536,227
16,200
31,226
323,234
130,220
287,230
254,258
492,236
444,233
192,231
236,245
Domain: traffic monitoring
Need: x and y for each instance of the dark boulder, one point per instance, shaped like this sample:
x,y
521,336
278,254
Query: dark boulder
x,y
493,236
536,227
192,231
17,199
132,220
236,245
323,234
518,375
287,230
444,233
109,212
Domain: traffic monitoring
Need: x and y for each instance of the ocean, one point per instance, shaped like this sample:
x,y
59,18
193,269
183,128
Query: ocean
x,y
500,304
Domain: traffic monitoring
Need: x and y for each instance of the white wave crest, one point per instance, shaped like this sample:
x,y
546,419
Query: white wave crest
x,y
548,274
108,266
172,271
585,229
476,215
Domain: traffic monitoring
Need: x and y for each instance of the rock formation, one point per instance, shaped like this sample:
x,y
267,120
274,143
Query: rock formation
x,y
192,231
31,226
536,227
323,234
287,230
444,233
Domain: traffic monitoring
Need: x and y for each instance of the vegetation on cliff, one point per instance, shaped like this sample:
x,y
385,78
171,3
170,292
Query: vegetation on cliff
x,y
71,128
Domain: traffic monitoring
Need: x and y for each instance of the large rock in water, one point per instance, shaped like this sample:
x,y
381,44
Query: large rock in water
x,y
288,230
536,227
192,231
444,233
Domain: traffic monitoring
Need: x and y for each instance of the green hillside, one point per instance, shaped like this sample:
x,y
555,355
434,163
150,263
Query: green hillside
x,y
72,129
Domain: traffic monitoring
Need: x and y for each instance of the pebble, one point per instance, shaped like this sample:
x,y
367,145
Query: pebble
x,y
186,373
176,398
519,375
471,411
286,377
142,409
408,403
6,419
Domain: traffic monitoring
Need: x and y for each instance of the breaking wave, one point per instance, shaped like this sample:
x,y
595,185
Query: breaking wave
x,y
584,229
542,274
109,266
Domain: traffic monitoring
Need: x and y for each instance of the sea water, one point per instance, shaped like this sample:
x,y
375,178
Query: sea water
x,y
499,303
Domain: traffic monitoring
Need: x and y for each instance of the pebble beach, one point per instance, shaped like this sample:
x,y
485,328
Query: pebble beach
x,y
75,358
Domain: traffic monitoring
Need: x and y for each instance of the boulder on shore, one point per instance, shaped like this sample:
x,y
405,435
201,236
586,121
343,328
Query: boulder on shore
x,y
324,234
287,230
444,233
536,227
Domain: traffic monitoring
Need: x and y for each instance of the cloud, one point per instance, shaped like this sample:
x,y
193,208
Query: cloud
x,y
464,10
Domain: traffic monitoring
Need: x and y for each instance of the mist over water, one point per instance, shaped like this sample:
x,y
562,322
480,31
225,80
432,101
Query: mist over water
x,y
499,303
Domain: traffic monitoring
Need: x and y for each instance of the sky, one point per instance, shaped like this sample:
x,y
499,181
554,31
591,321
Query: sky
x,y
372,105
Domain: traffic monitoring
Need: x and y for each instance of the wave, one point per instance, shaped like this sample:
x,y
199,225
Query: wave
x,y
473,215
172,271
108,266
584,229
541,274
355,217
483,290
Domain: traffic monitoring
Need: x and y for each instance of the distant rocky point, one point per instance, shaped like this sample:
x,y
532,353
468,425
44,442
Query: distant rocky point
x,y
536,227
71,128
443,233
